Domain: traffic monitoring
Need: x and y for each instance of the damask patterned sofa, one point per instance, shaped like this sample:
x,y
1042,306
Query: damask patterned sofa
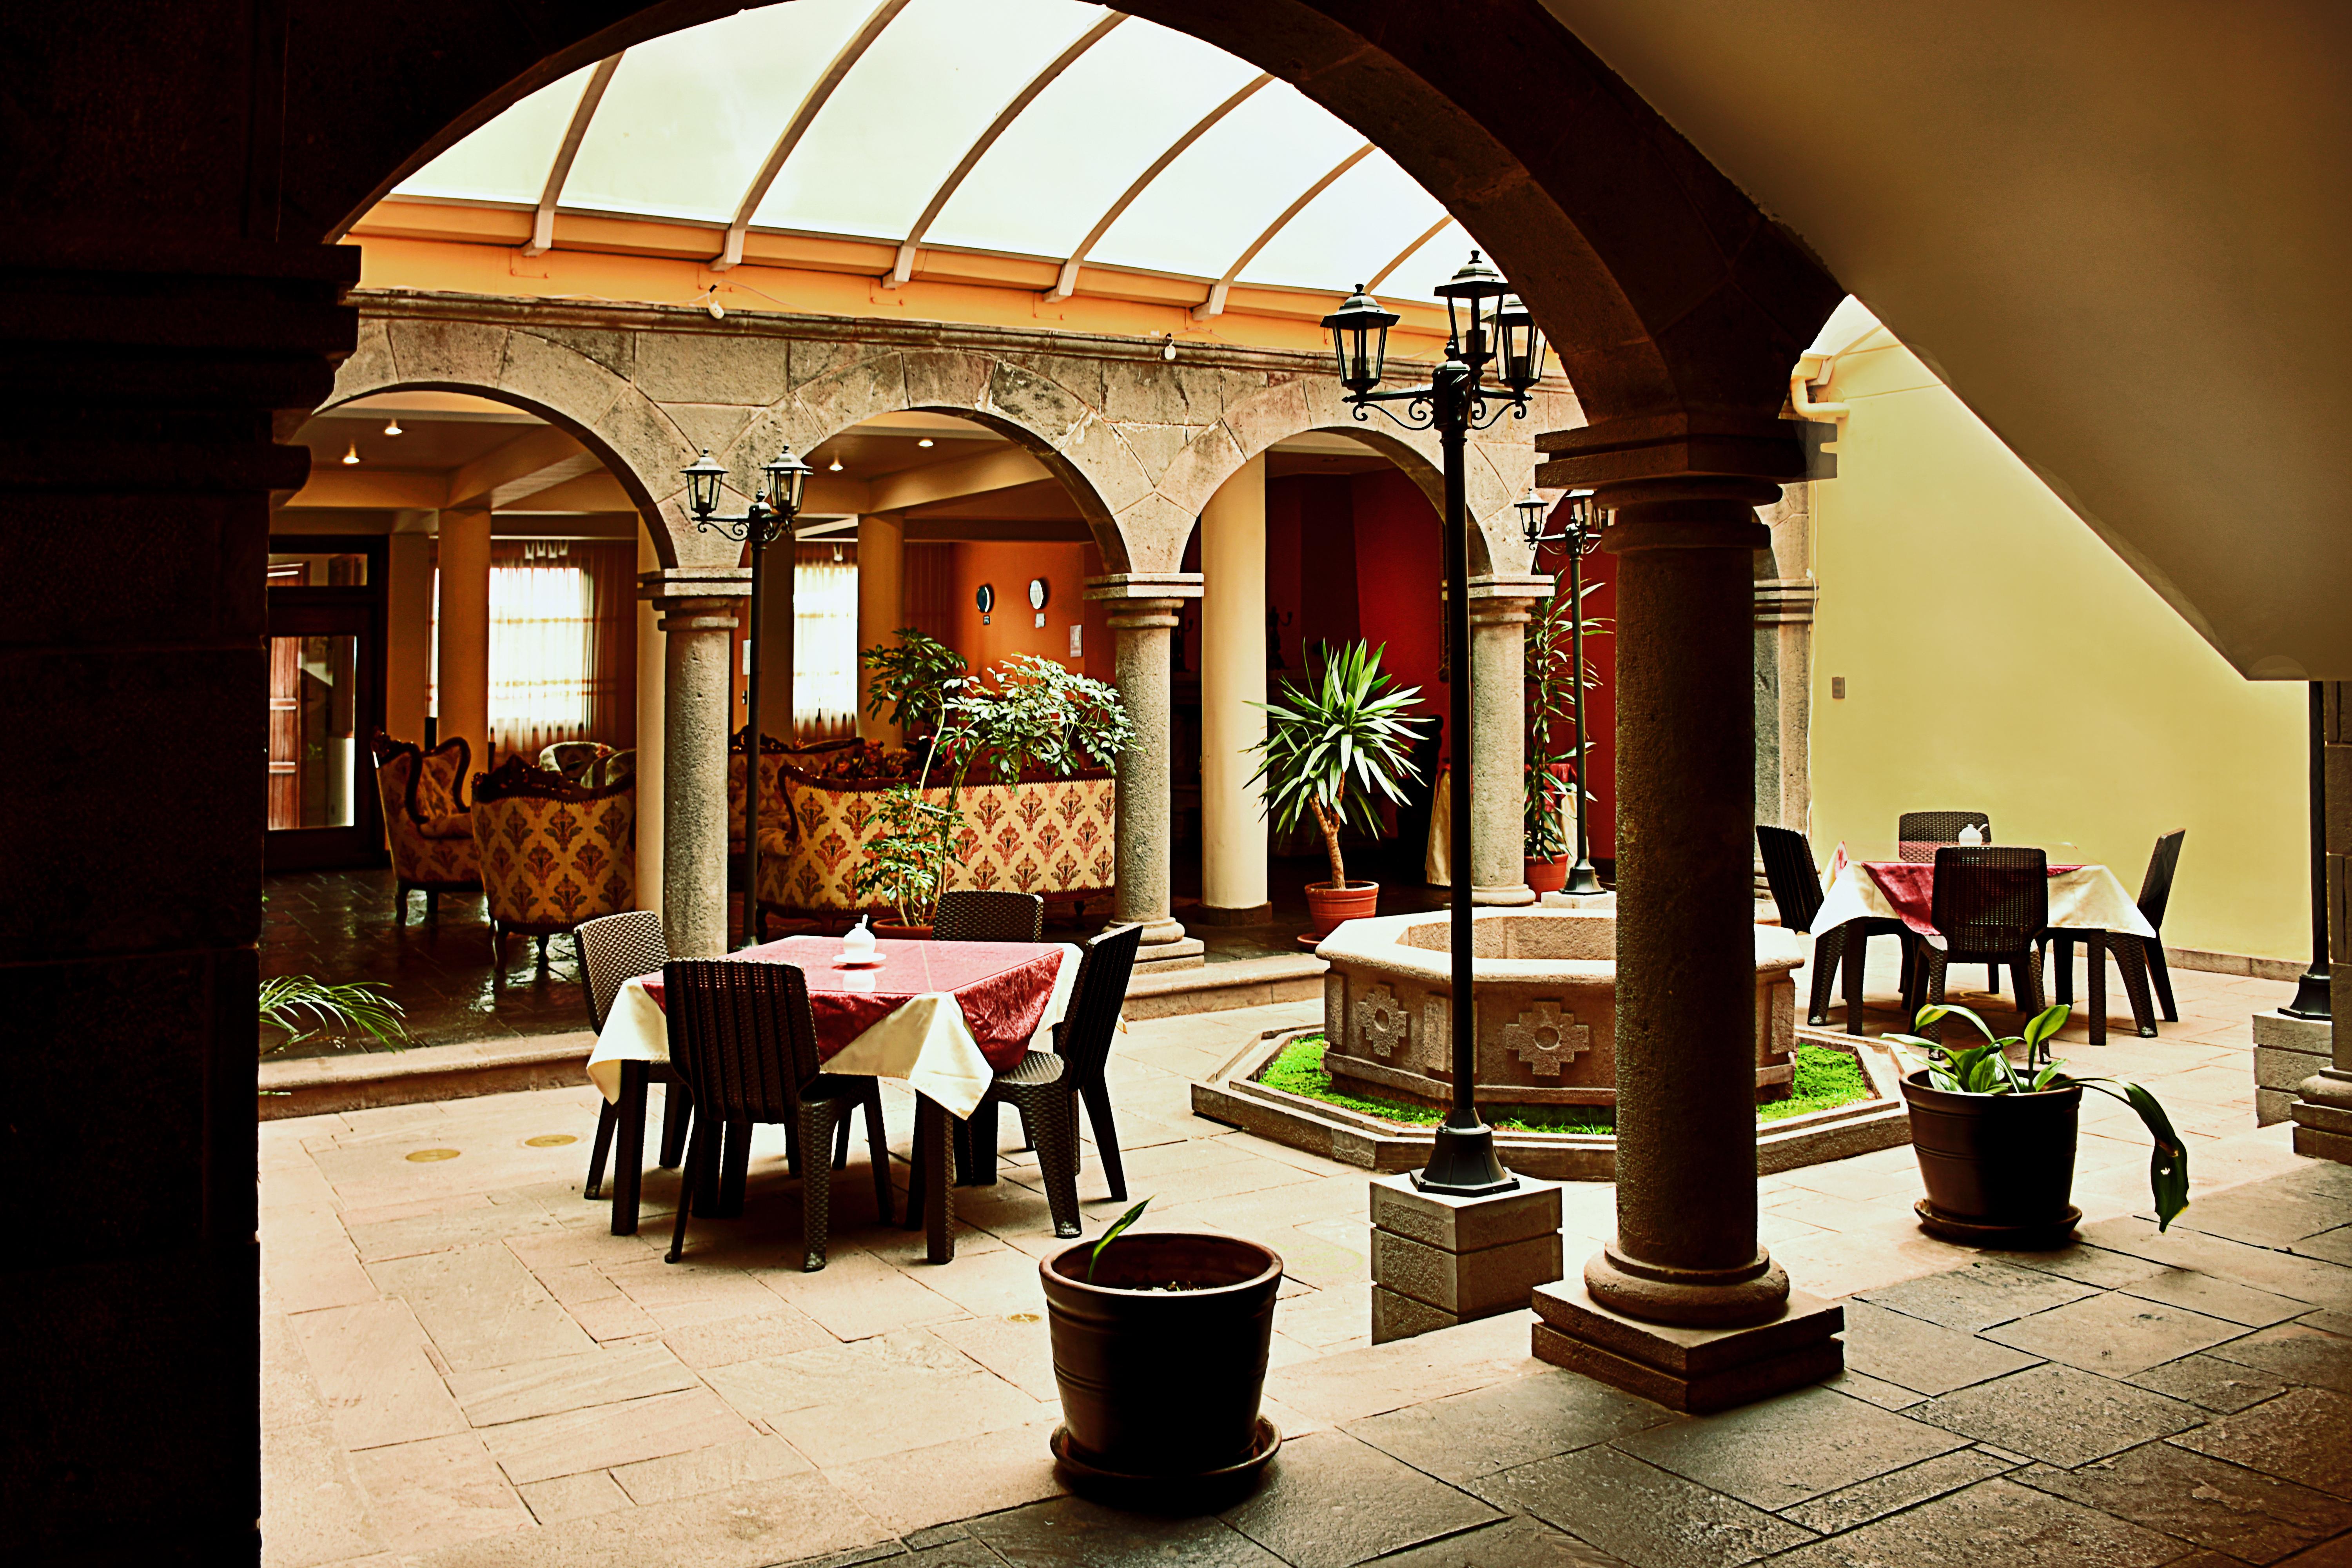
x,y
774,754
553,853
425,820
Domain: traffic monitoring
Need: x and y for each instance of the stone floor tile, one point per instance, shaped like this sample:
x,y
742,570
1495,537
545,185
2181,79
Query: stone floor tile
x,y
1519,1542
481,1308
1353,1384
2328,1322
2308,1279
1645,1515
2088,1265
566,1247
604,1436
684,1294
857,1294
573,1497
494,1395
2336,1553
1897,1489
1779,1452
2332,1247
1069,1533
709,1469
289,1394
373,1374
922,1488
1343,1312
749,1526
777,1330
990,1284
420,1234
1465,1436
2301,1434
1978,1295
861,1427
2250,1515
437,1491
317,1275
314,1510
2217,1298
1861,1386
2210,1380
2296,1353
2059,1415
2271,1214
1019,1349
1993,1524
2114,1334
909,1365
1328,1501
1894,1347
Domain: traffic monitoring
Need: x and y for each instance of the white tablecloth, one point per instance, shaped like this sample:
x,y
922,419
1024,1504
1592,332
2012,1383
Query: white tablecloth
x,y
924,1043
2087,898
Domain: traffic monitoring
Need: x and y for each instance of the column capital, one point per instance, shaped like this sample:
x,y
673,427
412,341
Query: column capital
x,y
673,586
1497,597
1764,452
1786,601
1171,586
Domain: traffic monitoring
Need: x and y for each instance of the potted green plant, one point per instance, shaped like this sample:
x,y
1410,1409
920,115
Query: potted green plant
x,y
1136,1417
299,1005
1555,686
1333,750
1995,1141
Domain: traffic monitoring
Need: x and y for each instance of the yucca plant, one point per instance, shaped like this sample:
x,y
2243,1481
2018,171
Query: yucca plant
x,y
301,1006
1336,748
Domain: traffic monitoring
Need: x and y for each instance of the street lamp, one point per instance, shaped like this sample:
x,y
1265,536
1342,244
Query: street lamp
x,y
1487,326
1580,535
768,519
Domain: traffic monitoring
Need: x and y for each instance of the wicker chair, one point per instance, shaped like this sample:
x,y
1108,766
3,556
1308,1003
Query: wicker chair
x,y
1992,903
743,1038
425,821
2140,960
1046,1086
553,854
1919,834
1797,890
967,916
613,951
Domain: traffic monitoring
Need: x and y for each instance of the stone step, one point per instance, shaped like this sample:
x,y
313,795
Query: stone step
x,y
1215,987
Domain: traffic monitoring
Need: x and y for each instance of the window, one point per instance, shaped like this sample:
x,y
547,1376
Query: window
x,y
824,643
541,619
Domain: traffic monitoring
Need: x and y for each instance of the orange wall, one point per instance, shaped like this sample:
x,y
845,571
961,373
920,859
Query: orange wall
x,y
1013,628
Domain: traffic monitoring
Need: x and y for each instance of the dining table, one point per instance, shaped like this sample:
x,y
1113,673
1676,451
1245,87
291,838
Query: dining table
x,y
942,1017
2087,905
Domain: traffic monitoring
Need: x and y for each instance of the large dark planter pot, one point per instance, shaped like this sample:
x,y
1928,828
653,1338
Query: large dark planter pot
x,y
1547,876
1163,1386
1329,904
1999,1168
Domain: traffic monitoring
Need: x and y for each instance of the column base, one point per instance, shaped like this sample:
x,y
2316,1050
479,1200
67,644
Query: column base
x,y
2287,1050
1248,915
1440,1260
1601,900
1505,894
2323,1117
1713,1298
1693,1370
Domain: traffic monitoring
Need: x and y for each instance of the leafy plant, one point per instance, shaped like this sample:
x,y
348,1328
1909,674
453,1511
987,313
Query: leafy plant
x,y
913,679
1335,747
1118,1226
1555,687
1986,1070
302,1007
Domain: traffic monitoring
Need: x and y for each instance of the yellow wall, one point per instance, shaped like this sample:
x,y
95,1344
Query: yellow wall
x,y
1998,657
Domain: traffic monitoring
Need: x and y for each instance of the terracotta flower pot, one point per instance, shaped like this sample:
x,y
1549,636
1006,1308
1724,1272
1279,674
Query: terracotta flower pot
x,y
1329,903
1547,876
1999,1168
901,933
1158,1383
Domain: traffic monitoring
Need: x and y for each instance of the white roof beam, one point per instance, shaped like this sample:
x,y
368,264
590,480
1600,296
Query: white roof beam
x,y
542,222
819,93
904,267
1067,283
1409,252
1215,305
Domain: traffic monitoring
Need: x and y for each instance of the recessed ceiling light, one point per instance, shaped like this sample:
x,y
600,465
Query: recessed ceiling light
x,y
353,455
391,425
924,442
835,465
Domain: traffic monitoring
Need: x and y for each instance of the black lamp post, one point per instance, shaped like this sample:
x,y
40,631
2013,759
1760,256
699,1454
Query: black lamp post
x,y
1580,536
768,519
1487,326
2312,998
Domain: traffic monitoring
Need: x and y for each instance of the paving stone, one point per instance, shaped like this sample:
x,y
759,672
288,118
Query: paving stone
x,y
1993,1524
482,1307
573,1497
450,1228
2336,1553
1977,1296
2334,1245
917,1489
778,1329
499,1394
2250,1515
1782,1451
1465,1436
2296,1353
1642,1514
1069,1533
1897,1348
2059,1415
1881,1495
709,1469
2217,1298
2301,1434
1885,1396
748,1526
2272,1212
2087,1266
375,1375
1330,1500
2208,1381
1519,1543
314,1510
604,1435
2282,1273
2114,1333
440,1490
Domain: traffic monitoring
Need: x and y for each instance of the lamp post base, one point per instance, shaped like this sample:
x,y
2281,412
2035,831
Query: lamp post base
x,y
2311,996
1461,1163
1583,879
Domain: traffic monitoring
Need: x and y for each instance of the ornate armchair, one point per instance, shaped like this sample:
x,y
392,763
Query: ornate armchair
x,y
425,819
553,853
577,761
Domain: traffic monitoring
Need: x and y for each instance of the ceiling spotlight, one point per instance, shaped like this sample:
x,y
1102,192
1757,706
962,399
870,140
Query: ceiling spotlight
x,y
924,442
835,465
391,425
836,552
353,455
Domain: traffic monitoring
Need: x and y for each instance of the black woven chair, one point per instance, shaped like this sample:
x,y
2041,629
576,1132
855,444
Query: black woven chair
x,y
2140,960
1919,834
1046,1086
1992,904
1797,890
613,951
967,916
742,1037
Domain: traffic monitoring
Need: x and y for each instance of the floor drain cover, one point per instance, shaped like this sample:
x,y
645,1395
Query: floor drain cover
x,y
550,1141
426,1156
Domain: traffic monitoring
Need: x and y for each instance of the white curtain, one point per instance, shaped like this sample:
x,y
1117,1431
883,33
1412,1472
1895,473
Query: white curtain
x,y
541,628
824,645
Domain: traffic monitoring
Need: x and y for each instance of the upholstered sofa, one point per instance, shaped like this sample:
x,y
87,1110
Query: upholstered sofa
x,y
425,820
774,754
553,853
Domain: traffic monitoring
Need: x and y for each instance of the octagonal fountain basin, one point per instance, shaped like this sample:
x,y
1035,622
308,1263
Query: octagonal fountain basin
x,y
1546,986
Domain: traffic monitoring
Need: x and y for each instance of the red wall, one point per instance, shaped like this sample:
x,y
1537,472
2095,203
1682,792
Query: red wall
x,y
1399,564
1600,713
1011,628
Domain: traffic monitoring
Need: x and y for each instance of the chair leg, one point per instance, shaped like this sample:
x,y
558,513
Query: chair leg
x,y
399,903
2059,950
676,1102
1098,1099
697,1153
961,1137
608,1116
878,1149
1054,1119
1827,947
1856,961
2132,959
817,1123
1928,985
733,1167
2161,972
932,1190
841,1143
981,1135
432,907
629,1153
703,1191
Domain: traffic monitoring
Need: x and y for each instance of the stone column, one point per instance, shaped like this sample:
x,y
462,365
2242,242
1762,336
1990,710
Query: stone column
x,y
407,633
1499,607
2323,1105
1142,614
699,614
1233,676
881,605
653,679
464,683
1785,595
776,627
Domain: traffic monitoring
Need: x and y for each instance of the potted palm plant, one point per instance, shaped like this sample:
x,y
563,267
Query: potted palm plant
x,y
1555,688
1333,750
1995,1141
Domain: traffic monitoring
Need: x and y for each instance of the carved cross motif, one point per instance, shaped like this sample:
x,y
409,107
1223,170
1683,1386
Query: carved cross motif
x,y
1383,1022
1547,1037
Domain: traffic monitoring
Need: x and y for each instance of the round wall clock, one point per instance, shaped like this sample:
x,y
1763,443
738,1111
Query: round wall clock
x,y
1037,592
986,598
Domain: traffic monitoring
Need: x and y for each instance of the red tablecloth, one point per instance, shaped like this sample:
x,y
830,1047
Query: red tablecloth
x,y
1002,987
1910,886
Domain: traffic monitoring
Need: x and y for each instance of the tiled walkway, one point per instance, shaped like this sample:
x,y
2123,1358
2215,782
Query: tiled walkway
x,y
463,1366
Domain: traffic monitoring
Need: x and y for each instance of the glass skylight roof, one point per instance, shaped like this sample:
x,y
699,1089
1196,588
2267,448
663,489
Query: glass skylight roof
x,y
689,122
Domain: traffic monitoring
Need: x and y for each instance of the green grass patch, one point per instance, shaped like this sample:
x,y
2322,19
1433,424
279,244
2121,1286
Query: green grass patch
x,y
1825,1079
